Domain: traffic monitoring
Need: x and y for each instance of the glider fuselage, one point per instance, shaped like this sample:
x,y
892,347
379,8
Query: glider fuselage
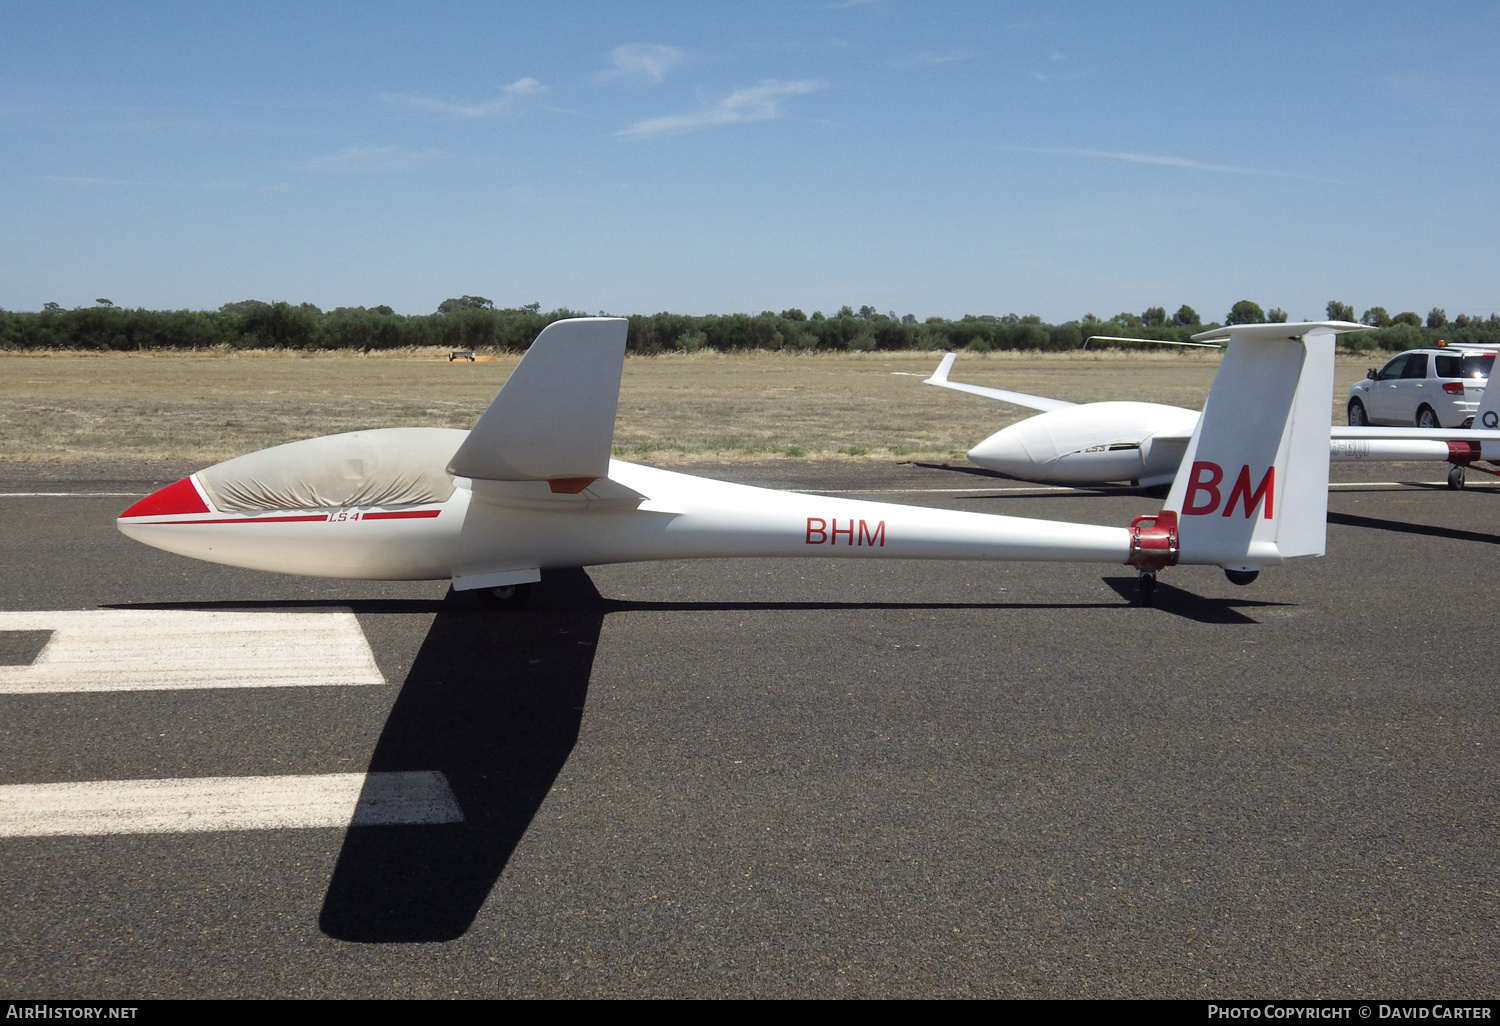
x,y
636,513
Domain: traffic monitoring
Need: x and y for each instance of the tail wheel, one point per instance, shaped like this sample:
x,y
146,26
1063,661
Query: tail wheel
x,y
1456,477
1357,415
1426,418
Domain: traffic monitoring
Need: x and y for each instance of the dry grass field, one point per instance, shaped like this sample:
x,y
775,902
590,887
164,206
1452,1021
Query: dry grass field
x,y
673,408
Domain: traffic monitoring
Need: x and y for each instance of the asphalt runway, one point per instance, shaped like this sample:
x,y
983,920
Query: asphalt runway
x,y
815,778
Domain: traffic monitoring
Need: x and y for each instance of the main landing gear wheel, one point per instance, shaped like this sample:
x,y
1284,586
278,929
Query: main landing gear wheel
x,y
1145,589
1456,477
1427,419
1357,415
510,596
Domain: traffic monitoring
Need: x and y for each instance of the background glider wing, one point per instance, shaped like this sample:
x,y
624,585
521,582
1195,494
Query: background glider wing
x,y
1031,402
1391,434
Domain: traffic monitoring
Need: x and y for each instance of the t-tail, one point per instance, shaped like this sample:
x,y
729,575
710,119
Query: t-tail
x,y
1252,490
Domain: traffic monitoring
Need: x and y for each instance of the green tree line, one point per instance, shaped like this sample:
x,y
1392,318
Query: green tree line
x,y
473,322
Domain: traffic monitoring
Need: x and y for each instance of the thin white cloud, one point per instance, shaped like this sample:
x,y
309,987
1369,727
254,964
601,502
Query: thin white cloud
x,y
644,60
1072,76
245,187
931,58
1164,161
795,46
78,180
547,199
371,159
757,103
502,104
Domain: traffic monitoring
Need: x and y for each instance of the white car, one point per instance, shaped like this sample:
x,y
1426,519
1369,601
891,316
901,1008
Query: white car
x,y
1431,388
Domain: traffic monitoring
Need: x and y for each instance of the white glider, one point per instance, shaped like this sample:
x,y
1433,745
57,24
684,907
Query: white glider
x,y
532,487
1096,443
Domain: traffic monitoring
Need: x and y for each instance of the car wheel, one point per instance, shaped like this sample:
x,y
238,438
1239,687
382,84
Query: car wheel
x,y
1427,419
1357,415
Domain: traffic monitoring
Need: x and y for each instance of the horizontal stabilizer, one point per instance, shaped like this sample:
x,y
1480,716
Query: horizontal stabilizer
x,y
1031,402
554,419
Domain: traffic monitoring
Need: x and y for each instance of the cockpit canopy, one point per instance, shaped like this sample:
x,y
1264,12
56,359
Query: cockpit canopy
x,y
384,467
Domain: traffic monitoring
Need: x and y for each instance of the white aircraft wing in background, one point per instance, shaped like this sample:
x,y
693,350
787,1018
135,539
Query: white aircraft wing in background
x,y
1031,402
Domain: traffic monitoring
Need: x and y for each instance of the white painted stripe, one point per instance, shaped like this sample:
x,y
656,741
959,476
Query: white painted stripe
x,y
226,803
68,495
157,649
1385,486
1037,490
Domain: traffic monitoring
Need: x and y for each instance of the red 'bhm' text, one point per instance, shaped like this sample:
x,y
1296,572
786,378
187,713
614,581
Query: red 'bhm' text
x,y
828,532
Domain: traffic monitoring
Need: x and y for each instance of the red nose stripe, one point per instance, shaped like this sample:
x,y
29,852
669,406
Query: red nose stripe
x,y
179,497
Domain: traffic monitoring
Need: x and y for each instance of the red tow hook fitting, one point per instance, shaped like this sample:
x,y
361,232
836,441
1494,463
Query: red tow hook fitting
x,y
1153,541
1461,454
1153,545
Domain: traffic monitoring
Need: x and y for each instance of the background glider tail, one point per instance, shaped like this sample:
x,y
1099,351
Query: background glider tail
x,y
554,419
1252,489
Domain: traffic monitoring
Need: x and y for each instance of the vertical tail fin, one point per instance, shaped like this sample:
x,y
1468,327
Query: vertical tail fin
x,y
1252,489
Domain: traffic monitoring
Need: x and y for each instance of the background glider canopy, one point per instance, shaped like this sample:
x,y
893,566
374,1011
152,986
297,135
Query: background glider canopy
x,y
555,416
385,467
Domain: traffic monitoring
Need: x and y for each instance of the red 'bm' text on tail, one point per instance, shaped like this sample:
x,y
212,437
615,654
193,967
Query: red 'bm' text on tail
x,y
1203,494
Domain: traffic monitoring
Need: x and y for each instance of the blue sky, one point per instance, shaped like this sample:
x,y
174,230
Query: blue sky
x,y
932,158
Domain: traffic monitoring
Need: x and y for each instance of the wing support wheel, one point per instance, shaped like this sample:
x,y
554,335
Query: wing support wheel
x,y
1145,589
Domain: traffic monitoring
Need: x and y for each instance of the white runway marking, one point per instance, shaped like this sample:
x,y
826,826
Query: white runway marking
x,y
152,650
226,803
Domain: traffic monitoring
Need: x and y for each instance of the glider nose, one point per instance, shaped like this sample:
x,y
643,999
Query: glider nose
x,y
1007,452
176,499
150,520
